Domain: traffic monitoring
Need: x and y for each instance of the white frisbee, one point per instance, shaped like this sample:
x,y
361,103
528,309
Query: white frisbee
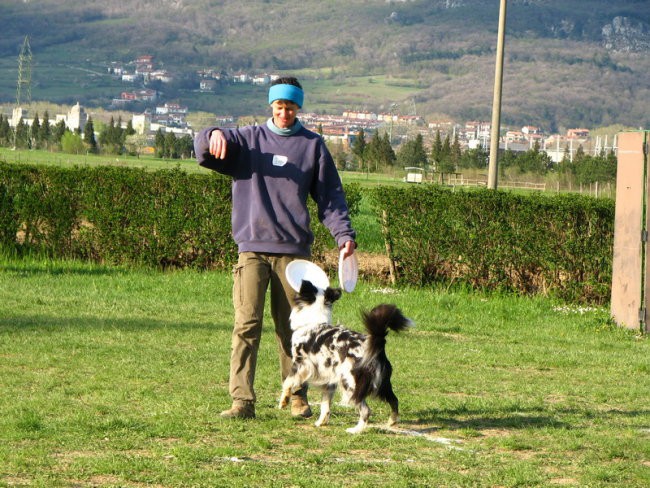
x,y
301,270
348,272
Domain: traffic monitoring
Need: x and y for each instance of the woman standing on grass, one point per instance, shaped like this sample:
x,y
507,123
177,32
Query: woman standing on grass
x,y
274,167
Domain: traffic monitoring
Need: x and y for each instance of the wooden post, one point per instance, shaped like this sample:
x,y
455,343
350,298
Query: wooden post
x,y
389,247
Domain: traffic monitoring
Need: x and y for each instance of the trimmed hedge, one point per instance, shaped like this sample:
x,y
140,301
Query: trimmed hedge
x,y
165,218
493,240
555,245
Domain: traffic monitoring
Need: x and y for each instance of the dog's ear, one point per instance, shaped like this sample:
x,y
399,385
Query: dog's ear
x,y
307,293
332,294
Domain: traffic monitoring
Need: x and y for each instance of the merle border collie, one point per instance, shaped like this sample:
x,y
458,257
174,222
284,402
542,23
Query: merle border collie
x,y
329,356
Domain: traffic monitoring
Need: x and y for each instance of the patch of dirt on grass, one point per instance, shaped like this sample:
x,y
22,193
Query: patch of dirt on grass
x,y
555,399
563,481
108,480
495,432
371,265
17,481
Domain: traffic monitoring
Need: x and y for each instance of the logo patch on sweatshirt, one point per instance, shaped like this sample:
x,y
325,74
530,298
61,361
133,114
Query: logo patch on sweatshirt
x,y
279,160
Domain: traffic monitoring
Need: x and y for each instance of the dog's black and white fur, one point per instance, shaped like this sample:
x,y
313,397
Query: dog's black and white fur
x,y
329,356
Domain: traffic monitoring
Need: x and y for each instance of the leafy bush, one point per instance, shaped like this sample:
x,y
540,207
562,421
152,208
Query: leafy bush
x,y
39,208
495,240
166,218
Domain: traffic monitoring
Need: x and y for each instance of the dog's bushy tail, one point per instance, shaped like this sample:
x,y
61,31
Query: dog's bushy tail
x,y
373,374
378,321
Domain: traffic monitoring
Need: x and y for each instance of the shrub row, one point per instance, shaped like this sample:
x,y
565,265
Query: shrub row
x,y
555,245
165,218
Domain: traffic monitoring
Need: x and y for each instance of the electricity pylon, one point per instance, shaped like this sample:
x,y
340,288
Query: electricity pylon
x,y
24,80
24,73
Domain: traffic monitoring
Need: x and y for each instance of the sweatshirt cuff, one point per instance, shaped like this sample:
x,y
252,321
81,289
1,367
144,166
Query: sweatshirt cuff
x,y
342,240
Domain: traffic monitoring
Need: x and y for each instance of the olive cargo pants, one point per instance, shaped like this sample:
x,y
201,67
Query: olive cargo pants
x,y
252,276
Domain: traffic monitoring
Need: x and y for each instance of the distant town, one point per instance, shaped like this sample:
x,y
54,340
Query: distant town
x,y
169,117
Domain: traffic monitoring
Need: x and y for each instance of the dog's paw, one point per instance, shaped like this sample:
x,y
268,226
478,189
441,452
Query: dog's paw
x,y
284,401
354,430
322,421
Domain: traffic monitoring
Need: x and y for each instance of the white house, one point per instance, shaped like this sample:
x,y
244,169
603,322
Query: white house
x,y
207,85
241,78
130,77
261,79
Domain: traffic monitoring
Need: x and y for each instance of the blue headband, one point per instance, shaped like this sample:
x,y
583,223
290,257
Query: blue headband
x,y
286,92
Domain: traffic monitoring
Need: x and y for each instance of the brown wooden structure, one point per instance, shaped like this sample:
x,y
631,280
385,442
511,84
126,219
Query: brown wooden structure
x,y
631,263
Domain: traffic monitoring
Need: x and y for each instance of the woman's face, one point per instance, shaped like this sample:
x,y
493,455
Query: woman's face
x,y
284,113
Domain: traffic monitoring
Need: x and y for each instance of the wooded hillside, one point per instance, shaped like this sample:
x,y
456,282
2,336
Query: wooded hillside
x,y
568,62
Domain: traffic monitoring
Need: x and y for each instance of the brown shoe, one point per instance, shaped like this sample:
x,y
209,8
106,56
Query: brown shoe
x,y
239,410
300,407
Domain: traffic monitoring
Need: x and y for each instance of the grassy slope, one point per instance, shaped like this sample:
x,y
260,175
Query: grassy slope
x,y
113,377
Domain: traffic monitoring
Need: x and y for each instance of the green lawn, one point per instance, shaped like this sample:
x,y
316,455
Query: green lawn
x,y
66,160
37,156
115,377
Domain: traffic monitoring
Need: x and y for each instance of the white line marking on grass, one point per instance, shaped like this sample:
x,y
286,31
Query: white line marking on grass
x,y
414,433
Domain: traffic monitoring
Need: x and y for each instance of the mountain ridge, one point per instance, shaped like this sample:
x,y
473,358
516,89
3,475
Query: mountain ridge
x,y
568,63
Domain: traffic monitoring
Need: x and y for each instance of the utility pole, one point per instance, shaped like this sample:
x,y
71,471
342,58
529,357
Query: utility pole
x,y
493,167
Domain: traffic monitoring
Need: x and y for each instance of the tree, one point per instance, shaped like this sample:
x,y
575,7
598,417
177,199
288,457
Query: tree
x,y
112,137
72,143
120,135
6,135
35,133
474,158
359,148
185,147
105,136
388,157
129,131
339,155
507,159
412,153
22,137
592,169
59,130
89,136
46,131
446,164
171,146
379,153
135,143
455,152
436,150
579,155
534,161
159,144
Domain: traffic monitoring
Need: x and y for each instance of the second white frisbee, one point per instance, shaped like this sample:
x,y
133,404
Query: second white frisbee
x,y
302,270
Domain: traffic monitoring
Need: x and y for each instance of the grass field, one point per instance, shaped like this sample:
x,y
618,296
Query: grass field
x,y
115,377
68,160
34,156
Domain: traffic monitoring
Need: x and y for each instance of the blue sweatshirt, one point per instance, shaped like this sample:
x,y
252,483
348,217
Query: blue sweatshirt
x,y
272,177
